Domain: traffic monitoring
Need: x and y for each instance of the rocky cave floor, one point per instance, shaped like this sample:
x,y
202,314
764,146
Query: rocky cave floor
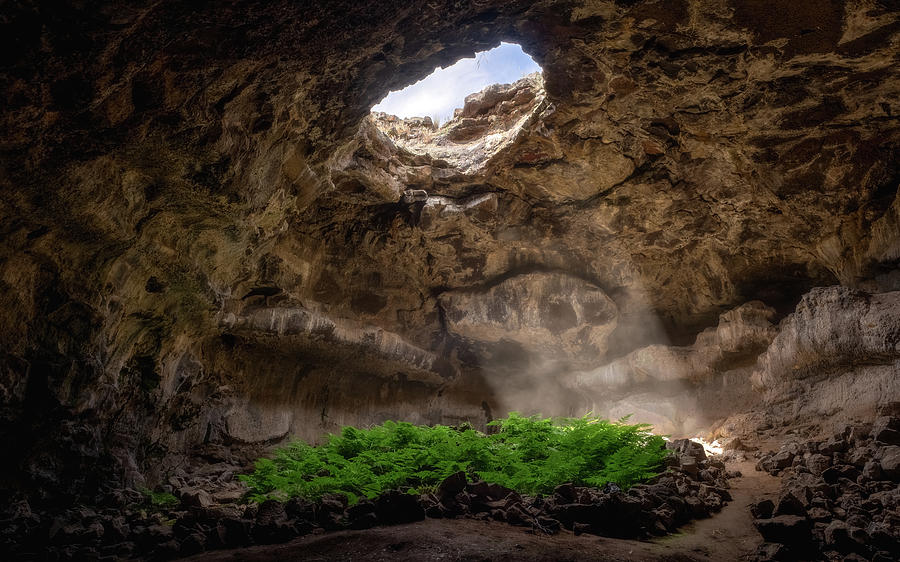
x,y
777,492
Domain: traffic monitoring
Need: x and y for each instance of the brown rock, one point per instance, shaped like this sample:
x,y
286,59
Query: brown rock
x,y
890,462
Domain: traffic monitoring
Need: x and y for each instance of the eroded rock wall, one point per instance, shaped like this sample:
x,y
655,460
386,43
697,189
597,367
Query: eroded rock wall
x,y
837,355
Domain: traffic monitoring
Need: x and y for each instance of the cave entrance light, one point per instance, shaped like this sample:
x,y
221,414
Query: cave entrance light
x,y
433,118
444,90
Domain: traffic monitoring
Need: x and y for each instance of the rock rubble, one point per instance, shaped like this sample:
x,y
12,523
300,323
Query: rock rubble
x,y
839,498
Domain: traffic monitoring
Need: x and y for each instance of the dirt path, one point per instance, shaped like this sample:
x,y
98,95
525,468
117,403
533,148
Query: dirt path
x,y
729,535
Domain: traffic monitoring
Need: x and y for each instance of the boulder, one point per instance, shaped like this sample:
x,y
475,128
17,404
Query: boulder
x,y
394,506
451,485
299,508
196,498
790,504
872,470
818,463
689,465
687,447
890,462
762,509
785,529
486,491
269,512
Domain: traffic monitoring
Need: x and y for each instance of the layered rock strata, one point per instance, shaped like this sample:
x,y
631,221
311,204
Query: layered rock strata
x,y
837,354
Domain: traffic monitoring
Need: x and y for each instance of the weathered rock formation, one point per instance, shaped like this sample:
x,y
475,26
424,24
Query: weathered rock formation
x,y
681,390
544,313
839,352
208,241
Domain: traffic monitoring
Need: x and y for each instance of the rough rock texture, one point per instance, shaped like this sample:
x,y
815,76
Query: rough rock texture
x,y
189,192
546,313
836,499
838,353
681,390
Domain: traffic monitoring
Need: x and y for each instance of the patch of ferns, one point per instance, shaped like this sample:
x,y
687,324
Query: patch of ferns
x,y
530,455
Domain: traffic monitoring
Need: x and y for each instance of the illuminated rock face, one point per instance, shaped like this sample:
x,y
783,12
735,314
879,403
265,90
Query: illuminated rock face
x,y
839,352
165,168
546,313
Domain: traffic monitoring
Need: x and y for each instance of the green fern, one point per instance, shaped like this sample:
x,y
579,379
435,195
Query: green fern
x,y
159,500
531,455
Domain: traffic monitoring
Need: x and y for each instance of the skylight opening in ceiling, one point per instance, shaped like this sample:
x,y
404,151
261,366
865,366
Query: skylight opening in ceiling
x,y
444,90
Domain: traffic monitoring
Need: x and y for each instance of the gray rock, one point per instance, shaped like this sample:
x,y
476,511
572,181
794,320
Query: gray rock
x,y
687,447
890,462
689,465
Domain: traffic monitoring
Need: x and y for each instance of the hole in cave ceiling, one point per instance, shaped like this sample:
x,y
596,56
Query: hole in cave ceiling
x,y
465,113
437,95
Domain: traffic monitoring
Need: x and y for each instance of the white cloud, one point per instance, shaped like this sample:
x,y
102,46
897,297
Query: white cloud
x,y
445,89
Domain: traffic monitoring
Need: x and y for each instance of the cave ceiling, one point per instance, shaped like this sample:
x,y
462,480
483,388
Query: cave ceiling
x,y
165,165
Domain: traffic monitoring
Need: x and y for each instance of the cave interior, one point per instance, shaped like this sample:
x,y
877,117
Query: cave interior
x,y
212,246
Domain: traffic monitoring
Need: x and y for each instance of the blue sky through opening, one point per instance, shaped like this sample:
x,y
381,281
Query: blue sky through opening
x,y
445,89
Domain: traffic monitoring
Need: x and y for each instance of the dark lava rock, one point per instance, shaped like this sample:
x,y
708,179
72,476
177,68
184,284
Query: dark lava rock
x,y
299,508
762,509
818,463
452,485
569,514
271,511
785,529
565,493
790,504
516,515
194,543
687,447
490,492
833,474
845,538
886,429
362,515
395,507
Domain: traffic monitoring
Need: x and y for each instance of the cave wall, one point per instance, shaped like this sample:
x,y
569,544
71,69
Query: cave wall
x,y
197,213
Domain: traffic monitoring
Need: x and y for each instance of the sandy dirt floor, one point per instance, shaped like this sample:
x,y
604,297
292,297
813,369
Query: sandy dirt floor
x,y
728,535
